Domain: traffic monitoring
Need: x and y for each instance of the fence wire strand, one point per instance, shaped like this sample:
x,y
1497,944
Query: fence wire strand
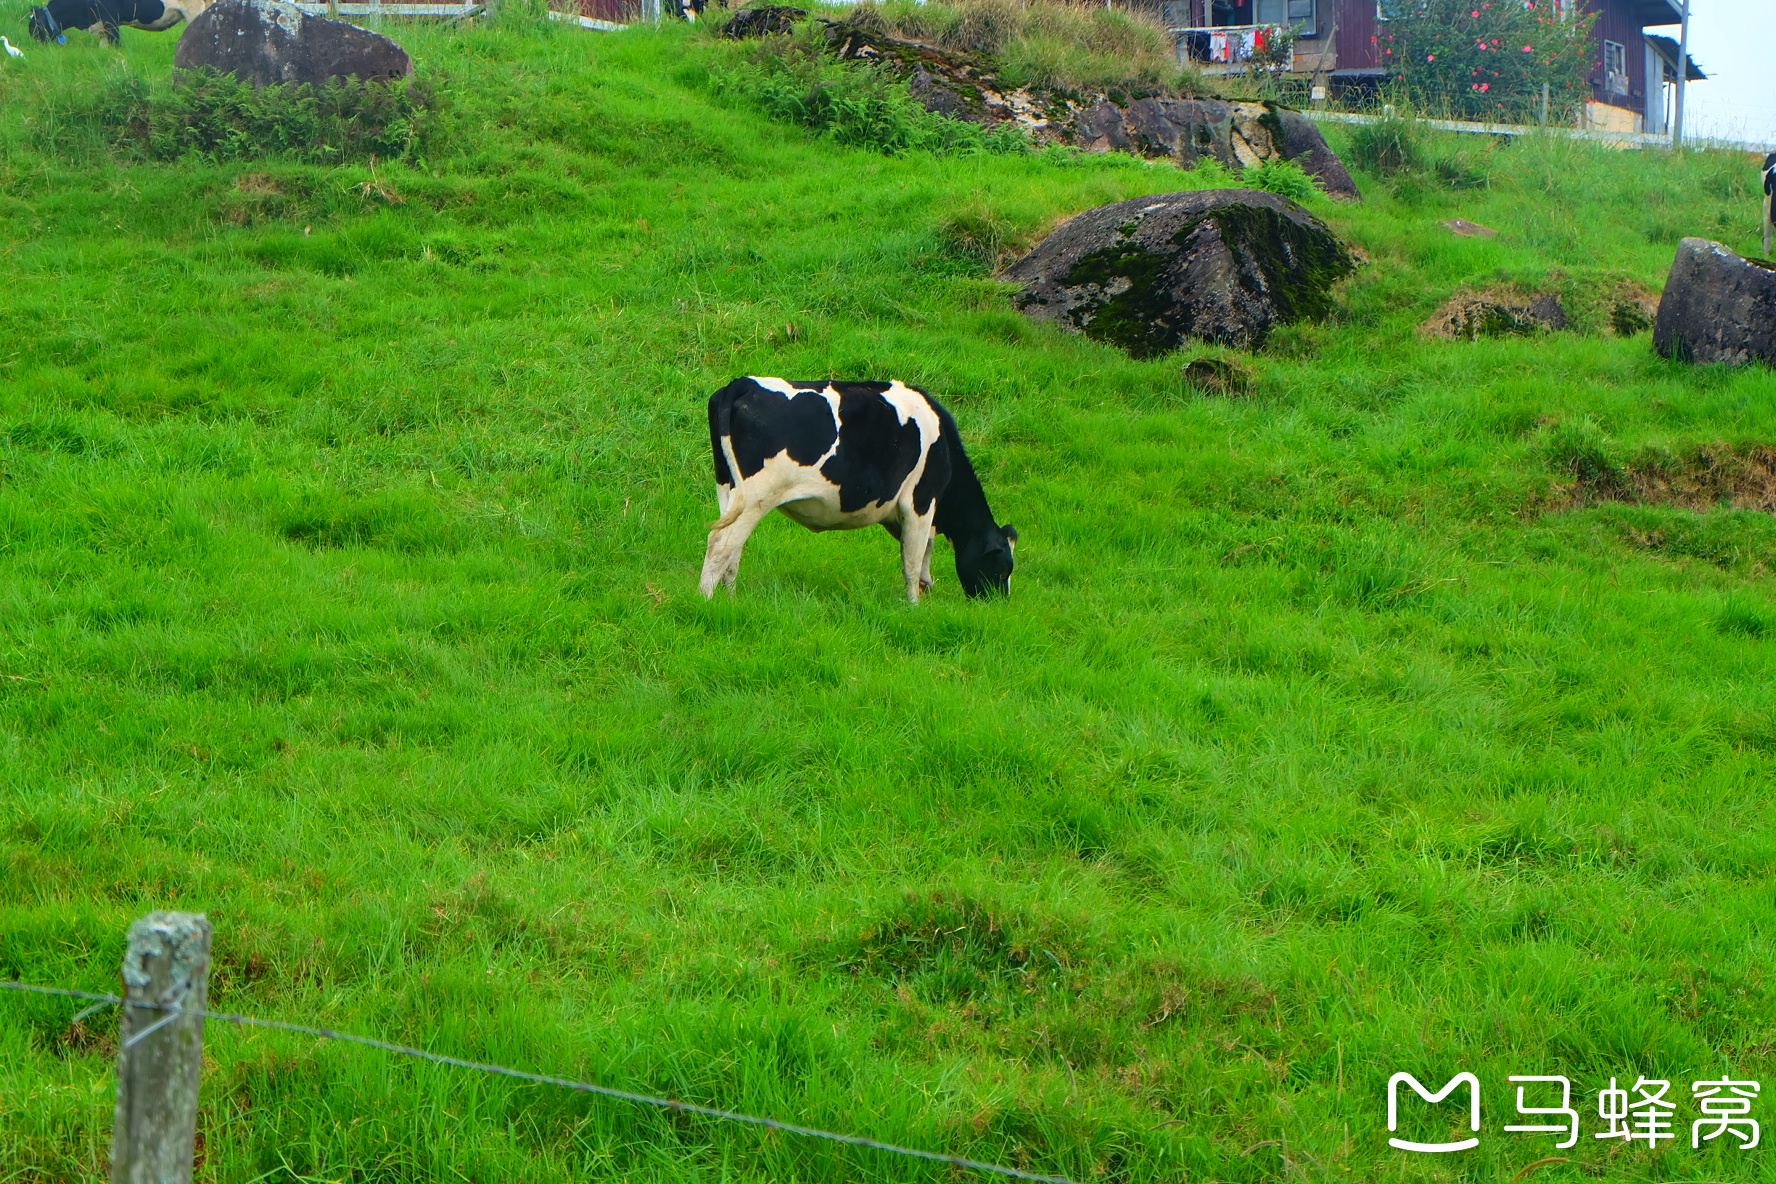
x,y
100,999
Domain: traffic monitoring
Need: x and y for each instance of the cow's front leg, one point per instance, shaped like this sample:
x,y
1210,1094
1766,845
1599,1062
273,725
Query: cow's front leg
x,y
721,562
915,553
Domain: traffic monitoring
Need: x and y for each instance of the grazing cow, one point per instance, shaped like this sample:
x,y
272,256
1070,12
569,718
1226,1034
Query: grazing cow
x,y
1769,197
103,18
839,455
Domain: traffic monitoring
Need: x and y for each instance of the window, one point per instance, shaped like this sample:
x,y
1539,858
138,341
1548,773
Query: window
x,y
1287,12
1615,69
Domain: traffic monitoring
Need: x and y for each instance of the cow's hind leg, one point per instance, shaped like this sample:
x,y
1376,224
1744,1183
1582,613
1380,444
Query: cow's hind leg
x,y
916,538
721,563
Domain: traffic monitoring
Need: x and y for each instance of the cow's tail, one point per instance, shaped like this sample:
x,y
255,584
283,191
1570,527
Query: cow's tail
x,y
735,506
721,420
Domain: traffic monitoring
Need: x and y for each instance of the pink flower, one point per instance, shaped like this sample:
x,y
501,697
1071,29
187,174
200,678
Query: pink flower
x,y
1429,57
1476,12
1529,49
1485,85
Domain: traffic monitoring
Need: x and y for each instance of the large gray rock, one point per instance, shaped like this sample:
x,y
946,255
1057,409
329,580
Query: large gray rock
x,y
1219,265
266,42
1717,307
1299,139
1184,129
1235,133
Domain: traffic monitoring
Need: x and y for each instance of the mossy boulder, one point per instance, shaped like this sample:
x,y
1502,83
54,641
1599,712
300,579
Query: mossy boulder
x,y
1217,265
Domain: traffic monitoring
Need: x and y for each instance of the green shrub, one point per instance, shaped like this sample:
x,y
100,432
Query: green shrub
x,y
1481,60
217,117
1283,178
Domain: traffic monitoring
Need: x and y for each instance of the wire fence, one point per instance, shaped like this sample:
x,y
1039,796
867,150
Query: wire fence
x,y
100,1000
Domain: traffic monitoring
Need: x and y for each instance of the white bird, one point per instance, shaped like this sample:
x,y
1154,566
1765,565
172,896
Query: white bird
x,y
11,49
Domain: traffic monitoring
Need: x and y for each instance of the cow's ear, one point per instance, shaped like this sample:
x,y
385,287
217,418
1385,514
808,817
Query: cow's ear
x,y
1010,533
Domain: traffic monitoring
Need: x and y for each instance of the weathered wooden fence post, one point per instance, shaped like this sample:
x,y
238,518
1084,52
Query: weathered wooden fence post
x,y
160,1053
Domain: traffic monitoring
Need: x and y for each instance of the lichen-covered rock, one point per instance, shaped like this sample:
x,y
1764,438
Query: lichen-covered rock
x,y
1218,265
1186,130
1717,307
772,19
267,42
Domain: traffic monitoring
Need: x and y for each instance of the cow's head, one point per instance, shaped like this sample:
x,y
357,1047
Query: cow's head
x,y
44,26
984,561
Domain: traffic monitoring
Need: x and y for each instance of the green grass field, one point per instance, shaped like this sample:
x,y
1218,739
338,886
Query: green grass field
x,y
348,554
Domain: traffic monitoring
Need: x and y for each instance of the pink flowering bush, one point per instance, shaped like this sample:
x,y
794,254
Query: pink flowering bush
x,y
1486,62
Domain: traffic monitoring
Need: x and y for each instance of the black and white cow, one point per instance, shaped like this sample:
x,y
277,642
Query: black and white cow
x,y
1769,198
104,17
840,455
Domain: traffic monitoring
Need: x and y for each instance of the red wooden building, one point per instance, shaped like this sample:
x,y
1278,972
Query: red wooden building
x,y
1337,45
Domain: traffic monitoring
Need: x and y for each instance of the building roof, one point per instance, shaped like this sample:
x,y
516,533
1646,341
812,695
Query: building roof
x,y
1666,48
1655,12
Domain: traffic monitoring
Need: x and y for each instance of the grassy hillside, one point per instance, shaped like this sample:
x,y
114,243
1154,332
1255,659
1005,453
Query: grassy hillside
x,y
348,553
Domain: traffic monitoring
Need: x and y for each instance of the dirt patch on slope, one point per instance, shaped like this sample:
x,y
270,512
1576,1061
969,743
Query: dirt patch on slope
x,y
1739,477
1627,307
1608,305
1496,312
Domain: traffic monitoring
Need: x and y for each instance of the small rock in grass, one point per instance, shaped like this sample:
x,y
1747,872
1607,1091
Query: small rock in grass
x,y
1219,376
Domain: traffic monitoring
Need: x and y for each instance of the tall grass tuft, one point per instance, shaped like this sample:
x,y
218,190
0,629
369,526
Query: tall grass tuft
x,y
853,104
1041,43
1386,147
